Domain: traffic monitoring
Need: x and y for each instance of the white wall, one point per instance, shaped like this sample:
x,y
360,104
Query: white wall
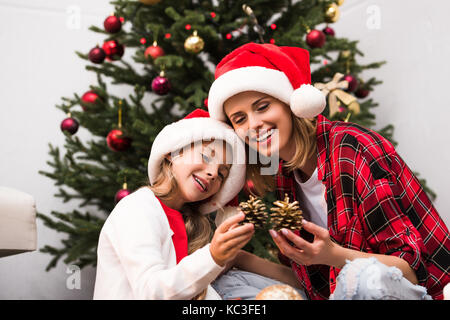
x,y
38,66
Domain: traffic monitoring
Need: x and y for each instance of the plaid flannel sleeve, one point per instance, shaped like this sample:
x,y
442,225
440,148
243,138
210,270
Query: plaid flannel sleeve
x,y
388,228
366,176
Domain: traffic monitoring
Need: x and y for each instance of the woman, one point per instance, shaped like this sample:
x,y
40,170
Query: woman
x,y
370,221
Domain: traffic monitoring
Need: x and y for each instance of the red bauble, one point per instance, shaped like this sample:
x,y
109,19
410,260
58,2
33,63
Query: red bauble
x,y
69,125
116,141
362,92
328,31
112,24
315,39
113,50
249,188
88,99
122,193
97,55
352,82
161,85
154,51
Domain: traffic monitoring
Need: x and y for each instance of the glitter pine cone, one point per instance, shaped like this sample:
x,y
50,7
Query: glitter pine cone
x,y
286,215
255,212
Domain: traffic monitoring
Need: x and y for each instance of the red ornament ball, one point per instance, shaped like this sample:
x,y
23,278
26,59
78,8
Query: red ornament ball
x,y
112,24
352,82
161,85
249,187
154,51
362,92
97,55
328,31
88,99
69,125
117,141
113,50
315,39
122,193
229,36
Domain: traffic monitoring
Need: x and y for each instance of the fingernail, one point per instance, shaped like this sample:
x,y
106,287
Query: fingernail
x,y
304,221
284,231
273,233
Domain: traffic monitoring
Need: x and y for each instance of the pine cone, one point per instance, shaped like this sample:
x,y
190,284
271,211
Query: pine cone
x,y
286,215
255,212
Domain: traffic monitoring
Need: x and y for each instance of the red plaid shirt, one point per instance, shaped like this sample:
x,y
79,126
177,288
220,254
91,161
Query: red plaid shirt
x,y
375,204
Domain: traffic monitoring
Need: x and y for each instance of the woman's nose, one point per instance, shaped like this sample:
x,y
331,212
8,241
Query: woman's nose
x,y
254,122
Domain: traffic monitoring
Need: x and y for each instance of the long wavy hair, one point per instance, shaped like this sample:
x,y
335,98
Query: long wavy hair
x,y
198,226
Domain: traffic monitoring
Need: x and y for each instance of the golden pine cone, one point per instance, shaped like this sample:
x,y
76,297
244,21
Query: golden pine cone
x,y
286,215
255,212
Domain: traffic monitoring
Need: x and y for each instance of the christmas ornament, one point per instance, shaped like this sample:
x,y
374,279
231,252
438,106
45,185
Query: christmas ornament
x,y
332,13
69,125
122,193
150,2
339,2
194,43
336,95
352,82
278,292
315,39
154,51
113,50
161,84
88,99
249,188
328,31
362,92
117,141
112,24
286,215
97,55
255,212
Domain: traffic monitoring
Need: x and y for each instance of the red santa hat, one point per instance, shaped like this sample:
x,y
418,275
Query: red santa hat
x,y
282,72
198,126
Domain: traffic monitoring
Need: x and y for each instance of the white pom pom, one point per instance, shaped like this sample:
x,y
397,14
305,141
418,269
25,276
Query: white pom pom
x,y
307,101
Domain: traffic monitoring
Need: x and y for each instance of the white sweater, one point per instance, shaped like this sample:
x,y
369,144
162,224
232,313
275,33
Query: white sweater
x,y
136,257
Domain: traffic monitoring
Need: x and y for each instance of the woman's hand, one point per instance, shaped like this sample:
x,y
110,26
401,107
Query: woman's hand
x,y
229,238
321,251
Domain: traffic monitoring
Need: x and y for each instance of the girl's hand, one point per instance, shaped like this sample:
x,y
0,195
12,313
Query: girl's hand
x,y
321,251
229,238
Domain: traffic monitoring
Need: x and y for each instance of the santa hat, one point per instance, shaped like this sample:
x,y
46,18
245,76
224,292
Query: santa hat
x,y
282,72
198,126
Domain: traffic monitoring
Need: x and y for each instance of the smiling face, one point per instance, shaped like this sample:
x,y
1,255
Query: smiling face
x,y
262,121
200,170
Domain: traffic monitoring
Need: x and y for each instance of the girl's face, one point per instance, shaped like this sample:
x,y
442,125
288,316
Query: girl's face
x,y
201,169
262,121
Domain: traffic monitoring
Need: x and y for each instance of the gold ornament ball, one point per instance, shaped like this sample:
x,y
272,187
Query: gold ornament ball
x,y
340,2
194,43
150,2
332,13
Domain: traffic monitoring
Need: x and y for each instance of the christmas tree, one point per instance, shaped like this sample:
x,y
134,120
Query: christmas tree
x,y
176,45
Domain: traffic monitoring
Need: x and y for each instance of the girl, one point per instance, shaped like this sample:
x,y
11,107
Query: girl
x,y
155,243
369,220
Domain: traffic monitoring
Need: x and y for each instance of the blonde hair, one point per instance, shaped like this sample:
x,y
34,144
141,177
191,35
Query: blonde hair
x,y
198,226
304,138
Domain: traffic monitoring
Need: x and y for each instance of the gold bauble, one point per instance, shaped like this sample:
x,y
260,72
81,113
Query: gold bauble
x,y
332,13
340,2
194,43
150,2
